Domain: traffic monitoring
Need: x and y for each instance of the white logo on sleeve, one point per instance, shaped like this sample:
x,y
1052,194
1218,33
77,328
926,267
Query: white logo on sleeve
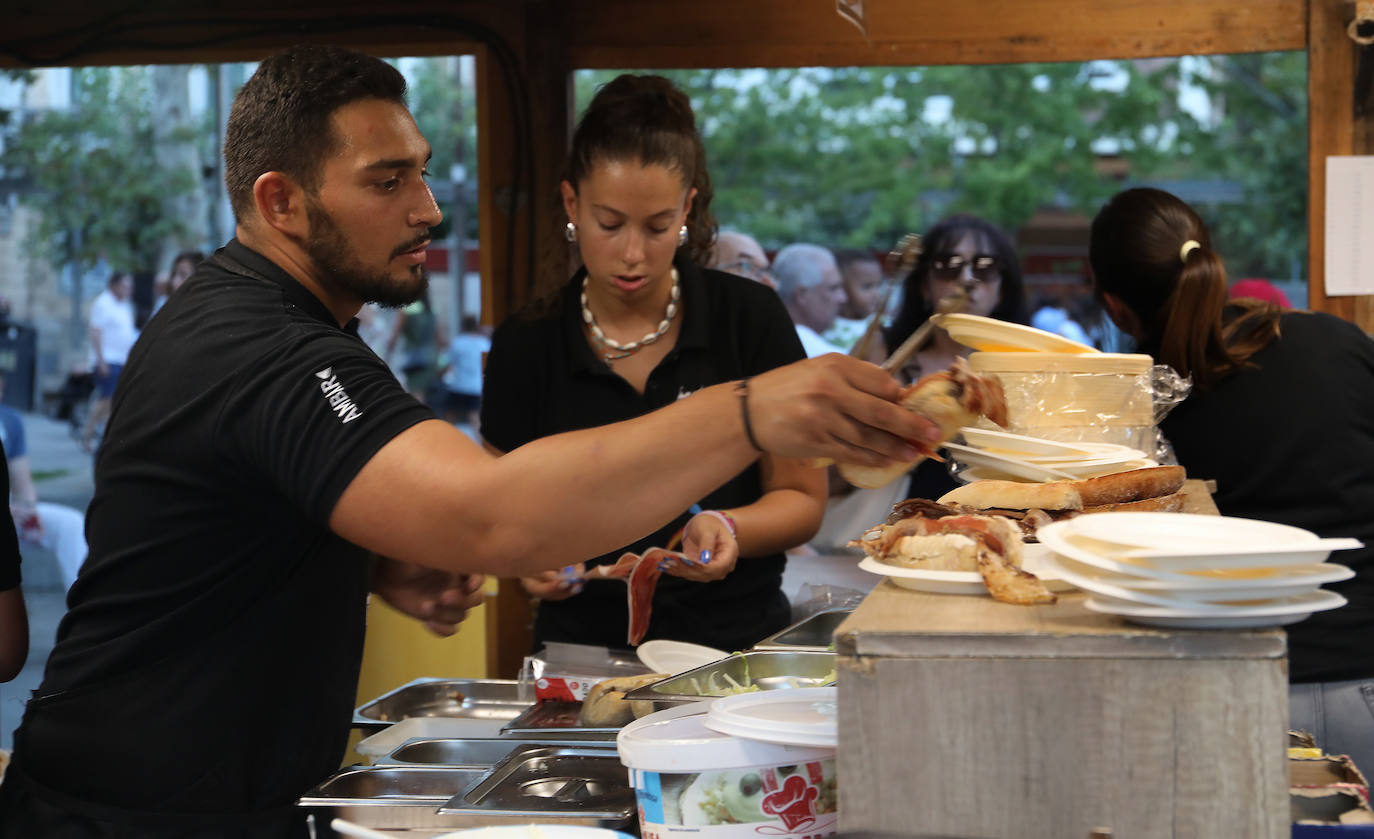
x,y
339,401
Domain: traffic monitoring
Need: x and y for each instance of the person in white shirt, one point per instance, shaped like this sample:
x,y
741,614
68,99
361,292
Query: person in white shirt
x,y
112,336
810,286
862,276
462,374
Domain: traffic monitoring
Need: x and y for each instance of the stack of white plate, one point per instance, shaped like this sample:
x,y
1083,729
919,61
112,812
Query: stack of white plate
x,y
1001,455
1195,571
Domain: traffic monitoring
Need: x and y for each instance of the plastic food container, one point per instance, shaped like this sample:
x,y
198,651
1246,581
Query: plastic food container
x,y
692,780
1102,397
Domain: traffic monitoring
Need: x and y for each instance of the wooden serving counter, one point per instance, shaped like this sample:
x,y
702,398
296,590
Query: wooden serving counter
x,y
963,716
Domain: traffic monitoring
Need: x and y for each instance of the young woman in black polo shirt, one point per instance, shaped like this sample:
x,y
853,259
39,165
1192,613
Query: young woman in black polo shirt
x,y
1281,416
639,326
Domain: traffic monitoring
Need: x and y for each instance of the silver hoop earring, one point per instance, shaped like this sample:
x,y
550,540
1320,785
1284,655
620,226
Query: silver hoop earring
x,y
682,236
570,232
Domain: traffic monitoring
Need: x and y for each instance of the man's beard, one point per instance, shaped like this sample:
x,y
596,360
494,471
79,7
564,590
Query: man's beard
x,y
337,260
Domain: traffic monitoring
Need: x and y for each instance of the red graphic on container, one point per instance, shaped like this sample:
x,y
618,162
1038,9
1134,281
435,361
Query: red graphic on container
x,y
793,803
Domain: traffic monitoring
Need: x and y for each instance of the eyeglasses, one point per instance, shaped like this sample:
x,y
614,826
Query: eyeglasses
x,y
983,268
747,268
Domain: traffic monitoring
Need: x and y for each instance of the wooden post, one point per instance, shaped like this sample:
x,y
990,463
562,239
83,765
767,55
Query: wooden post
x,y
1333,129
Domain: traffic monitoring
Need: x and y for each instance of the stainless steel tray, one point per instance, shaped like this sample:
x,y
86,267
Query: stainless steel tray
x,y
814,633
411,797
765,669
561,782
482,699
455,751
554,721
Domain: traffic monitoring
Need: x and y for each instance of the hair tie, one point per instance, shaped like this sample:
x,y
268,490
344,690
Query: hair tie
x,y
1188,247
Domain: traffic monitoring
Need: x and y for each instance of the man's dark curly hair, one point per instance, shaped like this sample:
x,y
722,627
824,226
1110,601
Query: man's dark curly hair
x,y
280,121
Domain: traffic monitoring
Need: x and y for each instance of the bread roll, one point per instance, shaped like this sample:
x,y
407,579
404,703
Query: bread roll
x,y
1088,494
1172,503
606,706
1134,485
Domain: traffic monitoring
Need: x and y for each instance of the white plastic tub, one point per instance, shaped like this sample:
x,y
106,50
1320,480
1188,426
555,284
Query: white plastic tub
x,y
692,780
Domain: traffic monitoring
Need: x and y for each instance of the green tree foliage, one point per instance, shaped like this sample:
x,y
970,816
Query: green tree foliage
x,y
1257,139
95,174
445,112
859,156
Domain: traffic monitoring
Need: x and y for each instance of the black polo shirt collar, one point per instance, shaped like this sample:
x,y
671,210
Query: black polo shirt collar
x,y
260,267
696,321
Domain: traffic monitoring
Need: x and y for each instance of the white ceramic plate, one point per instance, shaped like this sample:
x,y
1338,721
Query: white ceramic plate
x,y
963,582
992,335
676,656
1229,593
1019,444
1279,613
1057,538
1093,470
1185,542
1005,464
1121,455
1224,586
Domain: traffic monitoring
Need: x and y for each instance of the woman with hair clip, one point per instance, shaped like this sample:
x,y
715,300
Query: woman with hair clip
x,y
960,249
640,325
1281,416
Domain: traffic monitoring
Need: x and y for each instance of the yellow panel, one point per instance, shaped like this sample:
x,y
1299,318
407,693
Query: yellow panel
x,y
398,649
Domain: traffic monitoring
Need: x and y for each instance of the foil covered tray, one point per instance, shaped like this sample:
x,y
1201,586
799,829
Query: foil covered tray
x,y
558,782
480,699
757,669
814,633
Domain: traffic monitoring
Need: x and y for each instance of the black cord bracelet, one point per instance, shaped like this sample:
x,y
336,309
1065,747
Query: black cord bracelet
x,y
742,388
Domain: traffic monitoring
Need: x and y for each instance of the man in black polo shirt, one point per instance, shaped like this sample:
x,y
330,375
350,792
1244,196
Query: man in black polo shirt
x,y
258,453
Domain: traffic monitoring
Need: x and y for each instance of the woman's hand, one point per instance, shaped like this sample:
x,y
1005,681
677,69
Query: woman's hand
x,y
555,585
710,547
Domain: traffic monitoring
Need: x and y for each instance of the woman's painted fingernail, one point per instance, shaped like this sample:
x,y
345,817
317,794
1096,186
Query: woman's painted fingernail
x,y
705,556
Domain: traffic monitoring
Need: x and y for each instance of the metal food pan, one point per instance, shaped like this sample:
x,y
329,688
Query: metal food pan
x,y
561,782
457,751
814,633
481,699
549,721
409,798
765,669
378,785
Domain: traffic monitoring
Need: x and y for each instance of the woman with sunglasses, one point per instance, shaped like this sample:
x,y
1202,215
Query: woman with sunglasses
x,y
1281,416
960,250
640,326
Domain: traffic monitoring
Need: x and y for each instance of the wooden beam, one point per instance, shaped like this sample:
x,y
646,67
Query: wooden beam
x,y
802,33
1332,129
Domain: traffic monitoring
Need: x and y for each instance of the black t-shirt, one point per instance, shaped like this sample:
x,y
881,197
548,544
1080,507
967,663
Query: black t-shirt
x,y
208,662
1291,440
542,378
9,539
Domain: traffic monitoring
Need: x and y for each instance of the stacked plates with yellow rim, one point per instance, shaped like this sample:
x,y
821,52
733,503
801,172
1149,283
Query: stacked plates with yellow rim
x,y
1186,571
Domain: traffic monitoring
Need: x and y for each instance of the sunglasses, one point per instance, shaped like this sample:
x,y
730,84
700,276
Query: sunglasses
x,y
982,267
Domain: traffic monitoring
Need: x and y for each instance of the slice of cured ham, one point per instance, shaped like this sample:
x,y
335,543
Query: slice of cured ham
x,y
640,574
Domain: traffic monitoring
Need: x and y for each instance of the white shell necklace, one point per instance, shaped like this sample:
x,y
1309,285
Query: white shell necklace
x,y
612,349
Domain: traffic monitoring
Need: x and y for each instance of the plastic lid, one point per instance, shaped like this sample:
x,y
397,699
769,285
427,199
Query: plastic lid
x,y
678,740
802,717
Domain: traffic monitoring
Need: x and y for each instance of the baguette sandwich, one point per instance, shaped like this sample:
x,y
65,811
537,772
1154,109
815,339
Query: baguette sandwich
x,y
951,399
